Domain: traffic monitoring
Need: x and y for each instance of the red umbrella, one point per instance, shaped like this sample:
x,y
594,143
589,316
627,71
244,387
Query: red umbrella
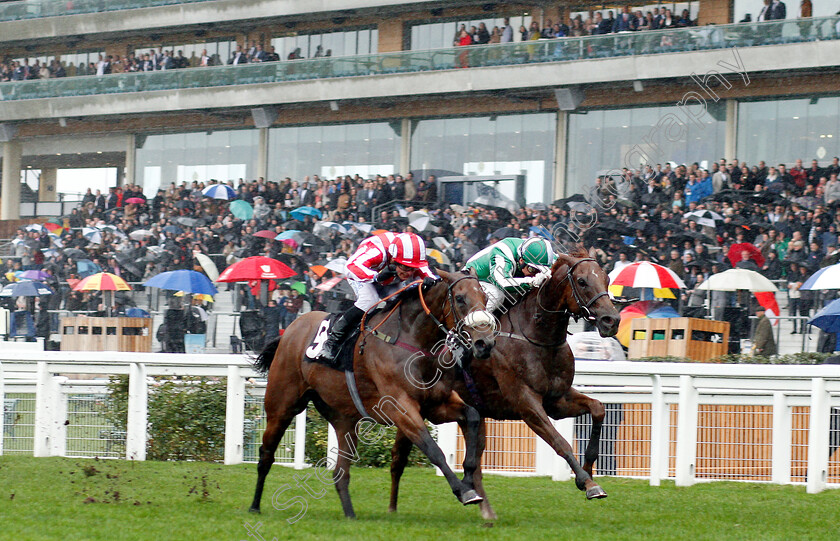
x,y
735,252
256,268
646,274
136,200
266,234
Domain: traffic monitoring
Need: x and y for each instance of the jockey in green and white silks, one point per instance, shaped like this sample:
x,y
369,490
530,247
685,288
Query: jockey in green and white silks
x,y
511,267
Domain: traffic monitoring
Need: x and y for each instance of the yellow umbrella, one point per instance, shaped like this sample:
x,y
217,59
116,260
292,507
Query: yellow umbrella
x,y
659,293
200,296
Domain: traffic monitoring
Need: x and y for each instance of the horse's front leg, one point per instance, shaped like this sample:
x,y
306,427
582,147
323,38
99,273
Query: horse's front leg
x,y
531,411
575,404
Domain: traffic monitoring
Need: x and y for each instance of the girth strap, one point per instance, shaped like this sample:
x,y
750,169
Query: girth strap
x,y
400,344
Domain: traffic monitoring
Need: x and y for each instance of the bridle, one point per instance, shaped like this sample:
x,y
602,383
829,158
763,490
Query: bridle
x,y
584,307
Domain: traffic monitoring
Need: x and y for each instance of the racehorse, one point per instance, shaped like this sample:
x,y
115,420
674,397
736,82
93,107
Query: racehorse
x,y
423,322
530,371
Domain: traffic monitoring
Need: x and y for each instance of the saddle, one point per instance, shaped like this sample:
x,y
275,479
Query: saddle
x,y
344,360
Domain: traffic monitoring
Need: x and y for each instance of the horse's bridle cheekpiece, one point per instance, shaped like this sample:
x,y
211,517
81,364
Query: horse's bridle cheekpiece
x,y
584,306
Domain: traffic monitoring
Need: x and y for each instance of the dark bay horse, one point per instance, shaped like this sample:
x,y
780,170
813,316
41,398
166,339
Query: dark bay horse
x,y
530,371
420,323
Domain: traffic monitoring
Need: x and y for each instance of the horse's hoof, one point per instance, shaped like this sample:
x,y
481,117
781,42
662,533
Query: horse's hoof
x,y
470,497
254,510
595,493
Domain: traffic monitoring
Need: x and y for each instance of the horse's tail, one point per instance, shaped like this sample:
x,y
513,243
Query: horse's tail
x,y
263,361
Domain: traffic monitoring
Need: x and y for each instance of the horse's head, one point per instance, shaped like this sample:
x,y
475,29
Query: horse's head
x,y
583,284
462,308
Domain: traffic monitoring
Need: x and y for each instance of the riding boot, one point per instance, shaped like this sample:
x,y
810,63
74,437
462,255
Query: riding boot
x,y
339,331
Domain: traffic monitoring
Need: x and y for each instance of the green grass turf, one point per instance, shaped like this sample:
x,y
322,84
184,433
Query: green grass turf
x,y
46,499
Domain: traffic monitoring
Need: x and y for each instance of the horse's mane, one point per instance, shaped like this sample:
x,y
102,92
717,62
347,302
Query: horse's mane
x,y
577,251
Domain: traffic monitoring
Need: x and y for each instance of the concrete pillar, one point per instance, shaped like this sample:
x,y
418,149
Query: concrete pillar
x,y
130,159
46,185
561,142
405,147
10,194
262,154
730,144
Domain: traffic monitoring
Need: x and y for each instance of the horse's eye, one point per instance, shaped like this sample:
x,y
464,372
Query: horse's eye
x,y
459,299
581,282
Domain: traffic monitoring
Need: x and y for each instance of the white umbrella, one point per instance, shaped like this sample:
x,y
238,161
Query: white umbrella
x,y
337,265
207,264
827,278
419,220
441,243
707,218
140,234
92,234
736,280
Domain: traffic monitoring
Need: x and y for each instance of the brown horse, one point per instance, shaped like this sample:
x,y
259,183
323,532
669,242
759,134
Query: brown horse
x,y
420,324
530,371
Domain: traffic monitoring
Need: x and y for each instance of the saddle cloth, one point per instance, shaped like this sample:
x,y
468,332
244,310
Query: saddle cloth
x,y
344,360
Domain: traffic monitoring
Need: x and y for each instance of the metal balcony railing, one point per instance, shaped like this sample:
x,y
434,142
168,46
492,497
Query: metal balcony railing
x,y
476,56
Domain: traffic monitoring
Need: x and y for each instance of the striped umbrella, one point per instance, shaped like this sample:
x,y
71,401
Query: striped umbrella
x,y
219,191
646,274
827,278
102,281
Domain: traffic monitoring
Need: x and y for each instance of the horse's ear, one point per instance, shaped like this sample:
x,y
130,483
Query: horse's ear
x,y
593,253
443,274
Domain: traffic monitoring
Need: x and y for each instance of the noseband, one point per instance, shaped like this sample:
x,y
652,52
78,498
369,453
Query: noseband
x,y
586,313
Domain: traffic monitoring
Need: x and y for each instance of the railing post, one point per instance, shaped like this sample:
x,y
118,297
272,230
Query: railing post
x,y
447,438
782,439
58,446
44,404
544,457
686,432
300,440
234,416
138,389
566,428
2,401
818,437
332,445
659,430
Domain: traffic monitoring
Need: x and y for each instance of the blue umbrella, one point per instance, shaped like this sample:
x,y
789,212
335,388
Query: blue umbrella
x,y
827,278
188,281
241,209
290,234
136,312
174,229
219,191
302,212
25,289
86,267
828,319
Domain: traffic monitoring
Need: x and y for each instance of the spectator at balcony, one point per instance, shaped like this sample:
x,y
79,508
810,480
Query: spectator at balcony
x,y
272,56
168,62
577,28
495,35
319,52
507,31
685,19
252,51
667,20
805,9
601,25
181,61
548,30
204,60
295,55
456,40
625,21
534,32
239,57
778,11
482,36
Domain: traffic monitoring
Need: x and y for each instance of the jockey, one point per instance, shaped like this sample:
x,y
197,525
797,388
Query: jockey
x,y
511,266
385,259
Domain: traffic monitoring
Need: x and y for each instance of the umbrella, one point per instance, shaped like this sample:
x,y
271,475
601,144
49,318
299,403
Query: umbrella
x,y
256,268
219,191
140,234
200,296
827,278
302,212
337,265
185,204
186,221
174,229
136,312
419,219
541,231
439,256
25,289
34,274
208,265
294,262
126,261
300,287
659,293
324,229
92,234
189,281
827,319
506,232
290,242
642,309
705,217
737,279
135,201
241,209
86,267
35,227
102,281
646,274
75,253
735,251
54,228
265,234
318,270
285,234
